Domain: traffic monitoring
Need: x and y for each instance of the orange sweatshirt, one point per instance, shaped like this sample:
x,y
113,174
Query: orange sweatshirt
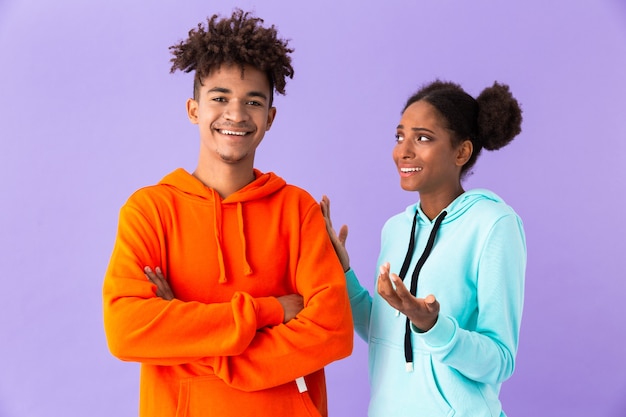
x,y
220,348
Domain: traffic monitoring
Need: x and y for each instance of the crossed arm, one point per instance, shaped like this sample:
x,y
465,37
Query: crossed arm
x,y
292,303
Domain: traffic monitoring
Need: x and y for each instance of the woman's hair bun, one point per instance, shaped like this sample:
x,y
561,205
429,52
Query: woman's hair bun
x,y
499,116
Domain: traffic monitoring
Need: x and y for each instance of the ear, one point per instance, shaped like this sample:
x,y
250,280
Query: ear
x,y
192,111
271,114
464,152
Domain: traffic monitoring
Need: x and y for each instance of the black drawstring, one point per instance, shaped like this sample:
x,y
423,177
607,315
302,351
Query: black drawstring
x,y
408,347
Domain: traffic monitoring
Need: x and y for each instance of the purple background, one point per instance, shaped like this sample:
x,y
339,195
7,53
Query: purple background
x,y
89,113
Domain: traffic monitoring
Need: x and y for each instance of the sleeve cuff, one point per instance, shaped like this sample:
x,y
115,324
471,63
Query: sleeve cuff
x,y
441,334
353,284
269,312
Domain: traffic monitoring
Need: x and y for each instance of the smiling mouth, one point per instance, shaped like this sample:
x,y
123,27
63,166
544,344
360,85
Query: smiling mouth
x,y
409,170
232,132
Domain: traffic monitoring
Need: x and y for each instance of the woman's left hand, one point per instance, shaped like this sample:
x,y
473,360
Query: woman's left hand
x,y
422,312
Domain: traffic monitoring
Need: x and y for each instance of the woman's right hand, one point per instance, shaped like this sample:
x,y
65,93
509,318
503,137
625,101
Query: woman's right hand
x,y
339,241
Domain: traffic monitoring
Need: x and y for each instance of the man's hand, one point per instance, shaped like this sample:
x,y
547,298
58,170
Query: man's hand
x,y
338,240
422,312
292,305
156,277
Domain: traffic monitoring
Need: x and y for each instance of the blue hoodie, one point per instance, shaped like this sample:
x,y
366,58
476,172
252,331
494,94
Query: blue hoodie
x,y
476,271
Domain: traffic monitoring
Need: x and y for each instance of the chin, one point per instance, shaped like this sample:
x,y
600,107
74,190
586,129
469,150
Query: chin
x,y
408,187
233,159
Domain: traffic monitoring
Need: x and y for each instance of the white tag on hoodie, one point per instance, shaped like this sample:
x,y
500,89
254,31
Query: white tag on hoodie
x,y
301,384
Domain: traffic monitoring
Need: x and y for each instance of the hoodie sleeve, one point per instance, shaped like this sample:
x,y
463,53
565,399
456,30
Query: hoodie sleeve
x,y
143,327
361,304
321,333
487,354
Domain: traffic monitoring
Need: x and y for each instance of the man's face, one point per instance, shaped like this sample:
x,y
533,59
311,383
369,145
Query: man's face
x,y
232,113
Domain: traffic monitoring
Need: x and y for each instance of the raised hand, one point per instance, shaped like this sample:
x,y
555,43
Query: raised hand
x,y
339,241
422,312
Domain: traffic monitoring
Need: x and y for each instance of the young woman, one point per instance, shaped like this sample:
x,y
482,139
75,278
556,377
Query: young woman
x,y
443,327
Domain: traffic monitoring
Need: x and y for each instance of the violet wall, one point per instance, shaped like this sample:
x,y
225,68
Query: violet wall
x,y
89,113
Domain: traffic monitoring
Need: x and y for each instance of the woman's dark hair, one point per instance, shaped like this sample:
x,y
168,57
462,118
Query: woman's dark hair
x,y
240,40
490,121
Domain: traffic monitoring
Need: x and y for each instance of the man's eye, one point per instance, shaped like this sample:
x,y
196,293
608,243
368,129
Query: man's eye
x,y
254,103
219,99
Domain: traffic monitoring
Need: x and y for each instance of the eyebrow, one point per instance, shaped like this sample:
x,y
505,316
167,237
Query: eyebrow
x,y
228,91
417,129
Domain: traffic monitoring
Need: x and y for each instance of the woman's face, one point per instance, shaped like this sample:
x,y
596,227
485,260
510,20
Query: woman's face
x,y
424,154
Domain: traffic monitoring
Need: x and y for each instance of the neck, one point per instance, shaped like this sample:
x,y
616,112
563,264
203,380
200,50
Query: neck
x,y
226,180
433,203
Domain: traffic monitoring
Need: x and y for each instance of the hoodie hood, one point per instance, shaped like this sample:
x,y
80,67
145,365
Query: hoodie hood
x,y
458,206
264,185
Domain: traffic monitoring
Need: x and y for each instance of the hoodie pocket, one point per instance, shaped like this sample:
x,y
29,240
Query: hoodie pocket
x,y
210,396
434,386
394,390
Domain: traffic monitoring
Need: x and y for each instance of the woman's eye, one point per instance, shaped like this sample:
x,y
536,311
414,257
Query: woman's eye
x,y
422,138
399,138
254,103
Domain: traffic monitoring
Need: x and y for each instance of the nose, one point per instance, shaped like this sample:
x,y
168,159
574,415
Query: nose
x,y
235,111
404,150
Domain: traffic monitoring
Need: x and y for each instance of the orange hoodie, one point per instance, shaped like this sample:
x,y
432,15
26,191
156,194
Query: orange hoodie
x,y
220,348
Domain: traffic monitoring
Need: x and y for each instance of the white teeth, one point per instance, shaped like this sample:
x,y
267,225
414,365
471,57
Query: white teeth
x,y
410,169
230,132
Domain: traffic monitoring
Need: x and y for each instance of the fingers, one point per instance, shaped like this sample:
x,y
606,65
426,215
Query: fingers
x,y
401,289
432,305
401,298
152,275
292,305
325,206
343,231
343,235
384,281
423,312
384,268
338,240
406,298
385,287
156,277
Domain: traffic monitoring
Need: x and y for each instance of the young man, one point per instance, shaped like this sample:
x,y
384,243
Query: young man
x,y
245,301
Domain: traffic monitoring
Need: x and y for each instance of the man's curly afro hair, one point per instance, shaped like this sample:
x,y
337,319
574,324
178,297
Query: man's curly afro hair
x,y
240,40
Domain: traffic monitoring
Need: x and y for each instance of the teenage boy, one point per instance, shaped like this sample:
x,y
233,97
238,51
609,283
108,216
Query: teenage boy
x,y
245,301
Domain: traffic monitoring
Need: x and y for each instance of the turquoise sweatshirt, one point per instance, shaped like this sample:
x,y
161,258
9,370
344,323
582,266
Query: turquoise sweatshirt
x,y
476,271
